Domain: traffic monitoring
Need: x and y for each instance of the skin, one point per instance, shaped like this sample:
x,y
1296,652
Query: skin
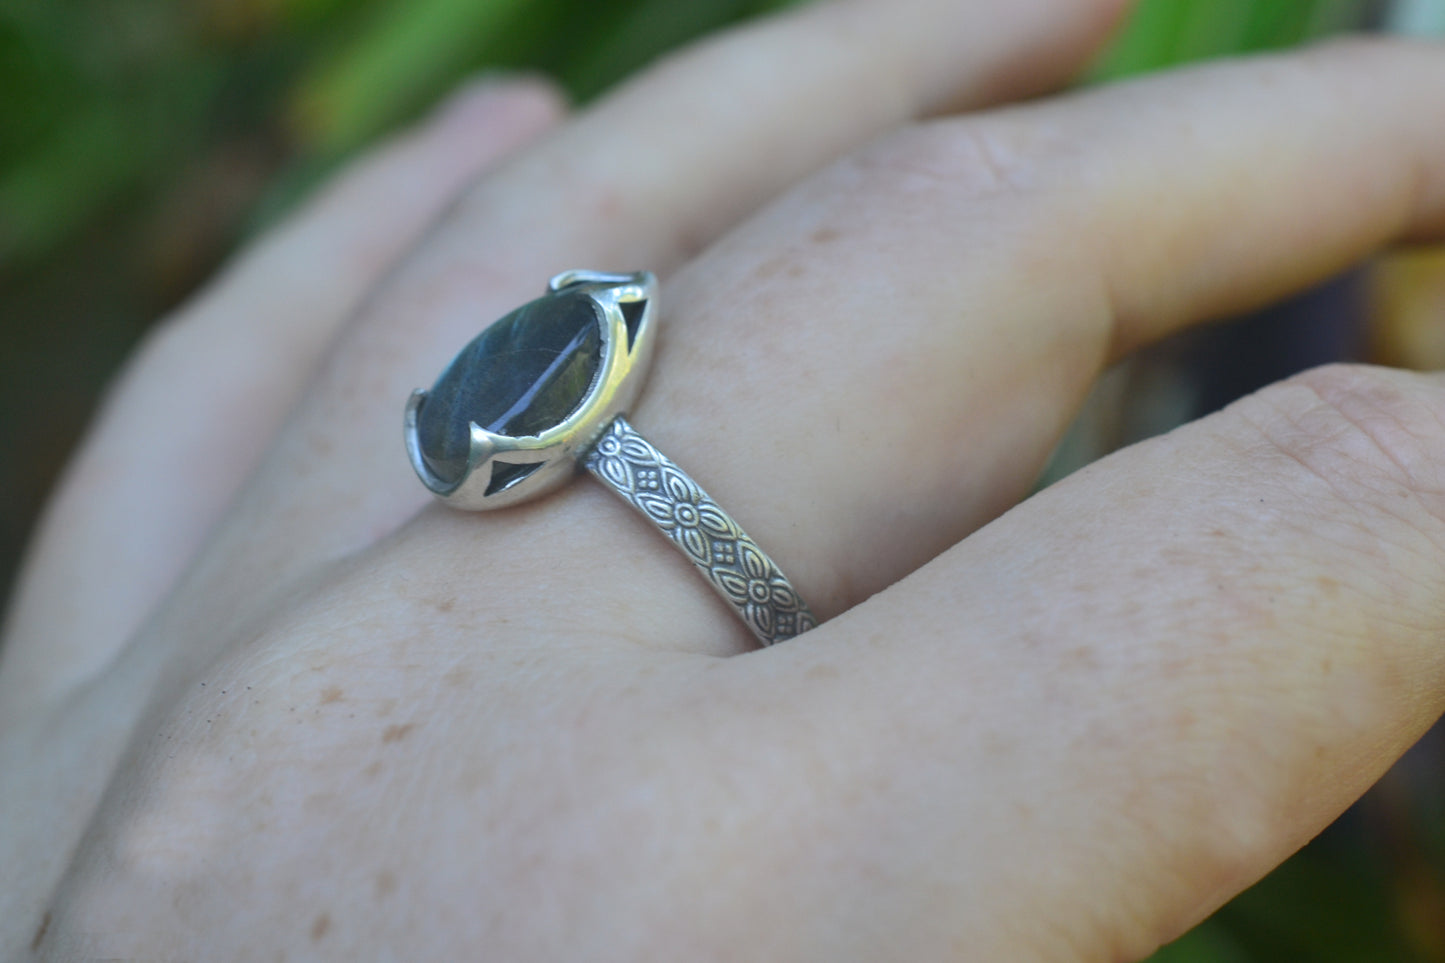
x,y
260,700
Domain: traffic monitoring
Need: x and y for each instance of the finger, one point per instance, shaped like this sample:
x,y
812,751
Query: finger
x,y
192,413
642,180
899,345
1068,738
1151,683
883,360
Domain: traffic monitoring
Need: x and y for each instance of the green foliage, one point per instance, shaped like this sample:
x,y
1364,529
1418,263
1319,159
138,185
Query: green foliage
x,y
1163,33
1323,906
101,100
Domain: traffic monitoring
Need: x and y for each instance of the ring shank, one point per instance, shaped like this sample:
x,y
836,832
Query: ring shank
x,y
740,572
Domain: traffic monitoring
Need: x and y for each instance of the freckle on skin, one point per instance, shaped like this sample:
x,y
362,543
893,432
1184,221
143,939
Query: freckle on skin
x,y
331,694
373,770
446,604
397,733
322,924
457,676
823,671
995,744
385,883
824,235
609,205
771,268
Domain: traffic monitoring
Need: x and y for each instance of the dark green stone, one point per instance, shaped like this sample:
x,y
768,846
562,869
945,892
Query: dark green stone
x,y
523,375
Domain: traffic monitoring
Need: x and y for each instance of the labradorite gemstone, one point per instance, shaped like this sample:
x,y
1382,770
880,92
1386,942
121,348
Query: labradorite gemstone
x,y
526,373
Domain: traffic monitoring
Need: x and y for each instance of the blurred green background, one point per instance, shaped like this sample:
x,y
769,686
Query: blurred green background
x,y
142,140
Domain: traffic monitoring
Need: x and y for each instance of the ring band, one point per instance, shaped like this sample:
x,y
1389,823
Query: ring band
x,y
545,388
740,572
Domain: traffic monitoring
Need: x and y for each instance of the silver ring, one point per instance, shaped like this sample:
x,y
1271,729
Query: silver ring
x,y
543,390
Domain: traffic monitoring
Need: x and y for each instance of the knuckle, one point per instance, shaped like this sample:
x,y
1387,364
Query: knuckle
x,y
974,158
1371,435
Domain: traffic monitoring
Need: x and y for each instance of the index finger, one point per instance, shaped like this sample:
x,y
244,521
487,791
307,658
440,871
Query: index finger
x,y
644,179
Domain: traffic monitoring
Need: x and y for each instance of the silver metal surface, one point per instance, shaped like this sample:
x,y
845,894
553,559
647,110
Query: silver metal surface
x,y
619,379
732,563
597,435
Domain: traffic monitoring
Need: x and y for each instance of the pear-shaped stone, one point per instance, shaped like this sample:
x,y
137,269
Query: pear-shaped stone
x,y
524,374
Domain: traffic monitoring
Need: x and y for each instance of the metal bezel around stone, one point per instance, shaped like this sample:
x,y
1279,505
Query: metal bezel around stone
x,y
627,336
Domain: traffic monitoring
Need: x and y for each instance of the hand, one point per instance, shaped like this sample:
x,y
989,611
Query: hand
x,y
261,698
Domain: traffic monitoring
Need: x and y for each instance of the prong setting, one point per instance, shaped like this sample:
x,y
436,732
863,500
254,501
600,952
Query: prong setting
x,y
625,357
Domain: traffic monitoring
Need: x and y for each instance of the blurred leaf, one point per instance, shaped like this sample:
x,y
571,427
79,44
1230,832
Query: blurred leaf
x,y
311,12
1215,27
1277,24
94,156
409,53
1147,40
1315,909
37,86
648,30
1162,33
1407,304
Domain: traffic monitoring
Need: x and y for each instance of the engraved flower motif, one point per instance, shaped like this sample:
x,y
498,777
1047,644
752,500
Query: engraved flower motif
x,y
626,461
775,611
753,585
673,506
700,528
